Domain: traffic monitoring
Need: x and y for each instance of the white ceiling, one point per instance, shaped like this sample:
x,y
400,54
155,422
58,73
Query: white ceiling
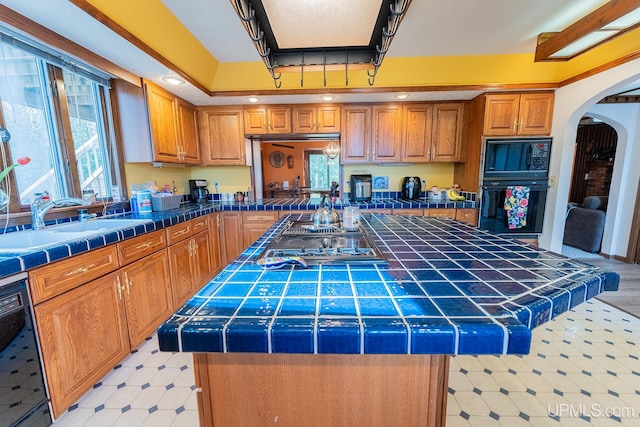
x,y
430,28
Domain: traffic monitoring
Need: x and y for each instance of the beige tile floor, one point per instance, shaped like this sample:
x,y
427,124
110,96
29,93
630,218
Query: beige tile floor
x,y
583,366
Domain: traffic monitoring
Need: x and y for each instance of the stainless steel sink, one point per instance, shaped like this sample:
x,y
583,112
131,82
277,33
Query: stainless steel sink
x,y
330,245
31,240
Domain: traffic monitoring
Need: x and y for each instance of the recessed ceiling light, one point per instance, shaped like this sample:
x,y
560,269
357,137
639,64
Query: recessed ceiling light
x,y
401,96
173,80
327,97
253,99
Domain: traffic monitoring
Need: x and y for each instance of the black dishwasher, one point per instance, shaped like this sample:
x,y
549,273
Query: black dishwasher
x,y
23,397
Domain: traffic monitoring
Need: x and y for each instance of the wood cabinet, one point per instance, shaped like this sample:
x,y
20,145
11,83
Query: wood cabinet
x,y
146,290
254,225
214,240
155,125
417,132
83,335
271,119
222,135
440,213
138,247
316,118
386,133
414,212
231,236
356,134
518,114
432,132
189,258
470,216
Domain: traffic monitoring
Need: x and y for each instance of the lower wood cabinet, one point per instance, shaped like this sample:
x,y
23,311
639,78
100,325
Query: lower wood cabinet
x,y
230,236
440,213
83,335
214,241
470,216
254,225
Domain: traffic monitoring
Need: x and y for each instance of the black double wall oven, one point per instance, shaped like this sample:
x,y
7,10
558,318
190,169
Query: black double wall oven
x,y
514,185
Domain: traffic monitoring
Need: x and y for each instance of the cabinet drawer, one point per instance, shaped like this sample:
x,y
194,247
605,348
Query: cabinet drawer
x,y
415,212
440,213
61,276
199,224
268,217
141,246
178,232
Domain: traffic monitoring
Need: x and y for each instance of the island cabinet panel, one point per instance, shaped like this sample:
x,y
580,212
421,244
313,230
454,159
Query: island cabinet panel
x,y
261,120
221,135
321,389
83,335
254,225
387,133
356,134
231,236
417,128
513,114
147,295
447,132
470,216
414,212
440,213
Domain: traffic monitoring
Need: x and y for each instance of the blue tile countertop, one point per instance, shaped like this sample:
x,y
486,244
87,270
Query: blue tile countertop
x,y
449,288
12,263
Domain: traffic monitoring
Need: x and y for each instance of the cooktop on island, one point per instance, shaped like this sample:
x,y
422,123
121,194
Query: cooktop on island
x,y
330,244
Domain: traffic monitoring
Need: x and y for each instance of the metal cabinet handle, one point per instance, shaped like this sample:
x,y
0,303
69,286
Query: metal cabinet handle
x,y
144,245
119,286
515,125
128,283
78,270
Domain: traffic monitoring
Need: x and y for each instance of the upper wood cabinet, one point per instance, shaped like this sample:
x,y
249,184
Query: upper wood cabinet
x,y
446,141
272,119
387,133
355,137
316,118
514,114
432,132
222,135
155,125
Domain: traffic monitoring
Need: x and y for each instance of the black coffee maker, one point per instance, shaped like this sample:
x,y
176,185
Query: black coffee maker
x,y
198,190
411,188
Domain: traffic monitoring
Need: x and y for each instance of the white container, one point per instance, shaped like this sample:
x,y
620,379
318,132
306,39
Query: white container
x,y
351,218
144,201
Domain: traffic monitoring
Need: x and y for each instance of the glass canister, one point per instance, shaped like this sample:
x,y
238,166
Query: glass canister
x,y
351,218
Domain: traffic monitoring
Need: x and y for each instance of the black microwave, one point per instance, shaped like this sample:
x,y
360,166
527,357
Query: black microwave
x,y
517,158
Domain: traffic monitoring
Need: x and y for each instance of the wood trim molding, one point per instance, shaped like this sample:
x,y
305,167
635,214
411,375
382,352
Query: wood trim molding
x,y
104,19
601,68
51,38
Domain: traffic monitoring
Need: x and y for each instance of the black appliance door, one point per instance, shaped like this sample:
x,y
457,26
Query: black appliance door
x,y
24,398
524,158
494,217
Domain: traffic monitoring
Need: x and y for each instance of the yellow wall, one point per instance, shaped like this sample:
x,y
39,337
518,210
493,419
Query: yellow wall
x,y
439,174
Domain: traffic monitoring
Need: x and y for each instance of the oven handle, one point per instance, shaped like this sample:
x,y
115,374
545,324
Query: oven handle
x,y
500,186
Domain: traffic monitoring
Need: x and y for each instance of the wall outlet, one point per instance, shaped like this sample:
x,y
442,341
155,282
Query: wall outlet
x,y
552,180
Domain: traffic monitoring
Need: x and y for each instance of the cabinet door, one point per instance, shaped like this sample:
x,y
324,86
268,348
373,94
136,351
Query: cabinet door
x,y
418,120
230,236
255,120
470,216
446,141
162,107
147,295
182,283
201,259
536,113
254,225
221,136
278,120
214,241
328,118
440,213
356,134
501,114
83,336
188,132
387,133
304,119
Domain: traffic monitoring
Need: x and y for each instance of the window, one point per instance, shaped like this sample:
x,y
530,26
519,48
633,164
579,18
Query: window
x,y
58,118
322,170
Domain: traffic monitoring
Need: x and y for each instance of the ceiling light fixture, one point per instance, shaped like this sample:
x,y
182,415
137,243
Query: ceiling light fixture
x,y
292,36
253,99
327,97
401,96
605,23
333,149
173,80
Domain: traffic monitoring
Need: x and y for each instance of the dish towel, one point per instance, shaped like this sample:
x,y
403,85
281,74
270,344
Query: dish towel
x,y
515,204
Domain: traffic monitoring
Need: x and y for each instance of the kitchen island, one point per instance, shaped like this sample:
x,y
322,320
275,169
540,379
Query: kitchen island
x,y
368,344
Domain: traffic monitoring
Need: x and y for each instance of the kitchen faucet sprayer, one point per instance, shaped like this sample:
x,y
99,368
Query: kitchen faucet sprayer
x,y
39,207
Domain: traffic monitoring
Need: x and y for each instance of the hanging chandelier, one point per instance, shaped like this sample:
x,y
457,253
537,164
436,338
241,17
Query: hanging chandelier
x,y
332,150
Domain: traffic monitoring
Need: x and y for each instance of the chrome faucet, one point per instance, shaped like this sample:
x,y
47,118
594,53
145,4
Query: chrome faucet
x,y
40,207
